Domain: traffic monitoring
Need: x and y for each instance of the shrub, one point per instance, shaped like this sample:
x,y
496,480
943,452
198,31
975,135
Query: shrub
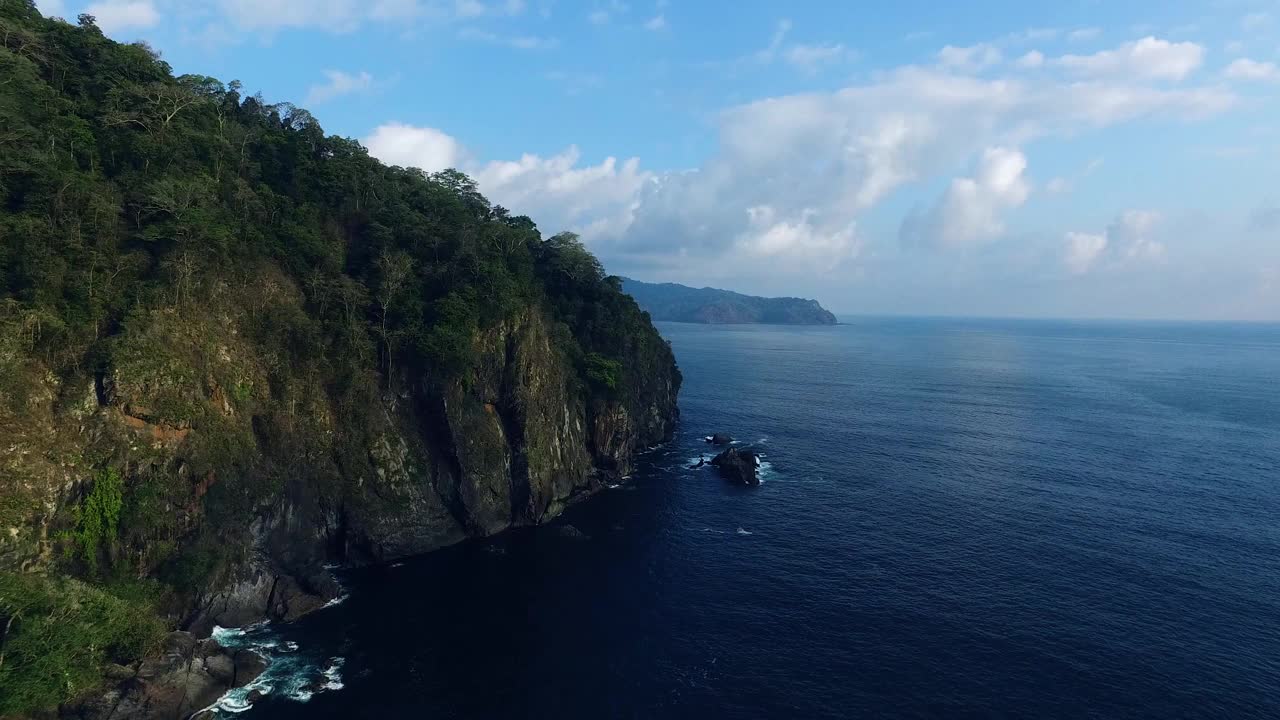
x,y
58,633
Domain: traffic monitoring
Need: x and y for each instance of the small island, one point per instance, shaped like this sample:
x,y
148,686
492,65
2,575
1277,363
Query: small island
x,y
680,303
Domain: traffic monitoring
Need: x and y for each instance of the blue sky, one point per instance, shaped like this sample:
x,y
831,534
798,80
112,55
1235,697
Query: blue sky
x,y
1072,159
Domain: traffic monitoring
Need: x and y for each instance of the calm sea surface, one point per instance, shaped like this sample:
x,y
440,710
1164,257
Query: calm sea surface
x,y
959,519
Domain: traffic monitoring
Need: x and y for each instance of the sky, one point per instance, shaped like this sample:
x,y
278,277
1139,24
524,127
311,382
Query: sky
x,y
1083,158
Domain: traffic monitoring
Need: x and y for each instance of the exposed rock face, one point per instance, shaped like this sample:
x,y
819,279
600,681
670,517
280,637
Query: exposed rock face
x,y
719,439
354,480
188,676
738,466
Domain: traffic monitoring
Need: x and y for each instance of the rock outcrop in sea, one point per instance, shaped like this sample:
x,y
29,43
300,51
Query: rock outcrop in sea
x,y
740,466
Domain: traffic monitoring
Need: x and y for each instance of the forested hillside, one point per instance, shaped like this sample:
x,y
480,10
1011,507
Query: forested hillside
x,y
680,303
233,349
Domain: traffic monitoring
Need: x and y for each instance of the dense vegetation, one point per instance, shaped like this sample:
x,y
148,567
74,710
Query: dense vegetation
x,y
149,222
680,303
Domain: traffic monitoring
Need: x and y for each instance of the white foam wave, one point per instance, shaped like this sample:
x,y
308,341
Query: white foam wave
x,y
336,601
744,532
333,675
289,673
765,470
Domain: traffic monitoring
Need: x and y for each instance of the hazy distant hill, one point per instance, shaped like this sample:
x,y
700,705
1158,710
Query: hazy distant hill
x,y
680,303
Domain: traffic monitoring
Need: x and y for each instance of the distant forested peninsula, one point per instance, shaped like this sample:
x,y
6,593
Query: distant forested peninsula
x,y
680,303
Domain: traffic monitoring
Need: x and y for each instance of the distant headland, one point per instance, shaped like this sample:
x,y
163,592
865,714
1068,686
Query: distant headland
x,y
680,303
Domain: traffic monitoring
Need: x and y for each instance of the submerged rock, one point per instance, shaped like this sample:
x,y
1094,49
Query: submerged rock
x,y
738,466
719,439
570,532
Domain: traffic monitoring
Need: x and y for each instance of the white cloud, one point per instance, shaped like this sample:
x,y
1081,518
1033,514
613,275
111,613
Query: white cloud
x,y
810,58
1063,185
770,52
598,201
793,177
1147,59
773,238
518,42
420,147
657,22
338,84
1126,242
595,200
1033,59
1246,69
114,16
972,58
1083,250
970,211
1084,34
1058,186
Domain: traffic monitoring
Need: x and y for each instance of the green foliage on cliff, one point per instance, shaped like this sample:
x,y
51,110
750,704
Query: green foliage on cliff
x,y
56,634
99,516
128,192
603,372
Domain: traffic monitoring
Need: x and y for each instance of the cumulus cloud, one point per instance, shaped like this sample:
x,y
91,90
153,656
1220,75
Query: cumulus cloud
x,y
1147,59
114,16
595,200
1032,59
972,58
420,147
800,237
1083,250
337,84
1246,69
792,177
970,210
1127,241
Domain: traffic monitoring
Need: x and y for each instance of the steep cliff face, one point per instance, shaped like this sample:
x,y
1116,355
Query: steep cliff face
x,y
234,349
318,475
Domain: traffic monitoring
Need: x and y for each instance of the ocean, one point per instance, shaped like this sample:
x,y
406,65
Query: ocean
x,y
959,518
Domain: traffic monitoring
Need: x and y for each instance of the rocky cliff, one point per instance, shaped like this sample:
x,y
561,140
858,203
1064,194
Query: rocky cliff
x,y
234,350
323,475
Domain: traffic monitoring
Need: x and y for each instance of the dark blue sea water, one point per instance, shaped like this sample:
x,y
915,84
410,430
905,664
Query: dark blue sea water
x,y
961,519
